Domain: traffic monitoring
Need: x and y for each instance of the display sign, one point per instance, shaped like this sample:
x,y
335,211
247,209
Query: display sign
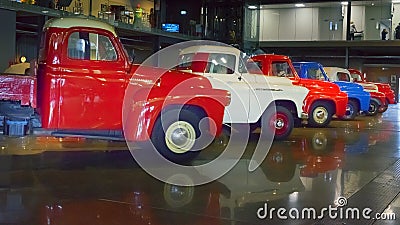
x,y
170,27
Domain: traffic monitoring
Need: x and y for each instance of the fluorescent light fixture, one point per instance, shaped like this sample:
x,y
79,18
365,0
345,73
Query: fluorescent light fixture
x,y
299,5
344,3
252,7
183,12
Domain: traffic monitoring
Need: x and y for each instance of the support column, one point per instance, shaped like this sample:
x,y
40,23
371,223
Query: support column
x,y
7,38
348,21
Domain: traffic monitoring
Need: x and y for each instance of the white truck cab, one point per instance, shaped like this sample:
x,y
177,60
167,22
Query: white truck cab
x,y
252,95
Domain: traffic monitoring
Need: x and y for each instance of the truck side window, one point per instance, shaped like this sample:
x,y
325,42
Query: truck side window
x,y
78,46
90,46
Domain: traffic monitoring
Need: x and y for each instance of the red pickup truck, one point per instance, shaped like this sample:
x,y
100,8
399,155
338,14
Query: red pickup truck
x,y
79,86
323,100
382,87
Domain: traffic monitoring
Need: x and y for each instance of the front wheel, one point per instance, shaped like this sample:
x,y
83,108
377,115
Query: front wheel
x,y
384,108
279,120
175,134
373,108
321,115
351,110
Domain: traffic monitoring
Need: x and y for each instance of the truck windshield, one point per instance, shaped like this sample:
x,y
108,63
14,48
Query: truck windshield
x,y
315,74
356,77
343,76
281,69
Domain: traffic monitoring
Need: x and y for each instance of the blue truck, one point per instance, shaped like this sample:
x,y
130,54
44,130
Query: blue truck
x,y
359,100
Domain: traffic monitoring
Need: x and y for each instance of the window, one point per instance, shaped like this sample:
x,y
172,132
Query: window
x,y
343,76
281,69
221,63
254,67
315,74
90,46
356,77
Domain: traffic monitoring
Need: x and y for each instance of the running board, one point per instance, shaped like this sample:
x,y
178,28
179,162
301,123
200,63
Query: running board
x,y
93,135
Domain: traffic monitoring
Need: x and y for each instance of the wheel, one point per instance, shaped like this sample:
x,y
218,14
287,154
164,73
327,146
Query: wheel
x,y
279,120
384,108
373,108
175,137
351,110
321,115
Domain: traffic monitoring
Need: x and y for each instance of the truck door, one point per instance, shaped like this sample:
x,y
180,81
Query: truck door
x,y
92,80
221,70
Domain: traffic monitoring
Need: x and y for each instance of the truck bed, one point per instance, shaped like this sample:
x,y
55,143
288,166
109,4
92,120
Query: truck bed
x,y
19,88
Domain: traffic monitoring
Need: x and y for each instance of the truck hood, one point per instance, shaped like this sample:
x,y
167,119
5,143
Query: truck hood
x,y
272,80
370,87
349,86
167,78
322,86
382,87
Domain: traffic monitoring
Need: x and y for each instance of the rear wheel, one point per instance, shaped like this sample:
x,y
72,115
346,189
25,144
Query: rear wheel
x,y
175,135
279,120
373,108
351,110
321,115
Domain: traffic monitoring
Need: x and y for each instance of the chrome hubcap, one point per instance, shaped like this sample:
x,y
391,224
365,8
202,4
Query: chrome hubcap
x,y
320,115
180,137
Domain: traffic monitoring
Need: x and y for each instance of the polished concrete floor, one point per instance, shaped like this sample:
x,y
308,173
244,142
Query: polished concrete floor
x,y
76,181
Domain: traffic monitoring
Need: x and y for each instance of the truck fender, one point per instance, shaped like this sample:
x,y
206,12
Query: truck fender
x,y
310,99
141,119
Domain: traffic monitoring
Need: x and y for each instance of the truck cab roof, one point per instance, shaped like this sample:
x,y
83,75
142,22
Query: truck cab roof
x,y
69,22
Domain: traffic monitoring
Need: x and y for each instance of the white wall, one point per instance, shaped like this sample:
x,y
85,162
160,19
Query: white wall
x,y
396,16
269,24
329,15
377,18
299,24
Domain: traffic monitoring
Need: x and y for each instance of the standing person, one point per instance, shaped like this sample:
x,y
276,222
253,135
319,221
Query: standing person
x,y
353,30
151,18
397,32
137,23
384,34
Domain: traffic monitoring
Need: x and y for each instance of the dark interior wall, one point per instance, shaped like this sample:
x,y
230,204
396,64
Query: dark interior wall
x,y
173,14
7,38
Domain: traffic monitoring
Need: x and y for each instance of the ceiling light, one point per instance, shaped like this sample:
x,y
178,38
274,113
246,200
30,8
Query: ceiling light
x,y
344,3
395,1
299,5
252,7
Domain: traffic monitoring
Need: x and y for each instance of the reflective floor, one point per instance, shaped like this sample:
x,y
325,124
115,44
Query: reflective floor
x,y
335,171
